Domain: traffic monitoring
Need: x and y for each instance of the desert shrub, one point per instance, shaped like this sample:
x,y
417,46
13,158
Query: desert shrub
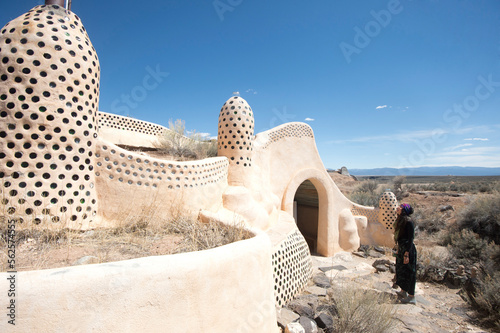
x,y
432,264
177,143
429,220
397,186
366,194
485,300
467,247
483,217
367,186
363,311
412,188
365,198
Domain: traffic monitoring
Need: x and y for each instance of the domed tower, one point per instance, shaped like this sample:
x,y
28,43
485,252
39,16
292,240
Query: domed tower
x,y
49,95
235,138
387,209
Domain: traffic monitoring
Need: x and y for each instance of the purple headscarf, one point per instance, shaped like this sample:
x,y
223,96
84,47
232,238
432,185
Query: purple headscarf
x,y
407,209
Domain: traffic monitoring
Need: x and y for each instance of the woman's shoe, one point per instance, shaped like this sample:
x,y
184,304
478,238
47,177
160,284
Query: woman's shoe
x,y
403,294
409,300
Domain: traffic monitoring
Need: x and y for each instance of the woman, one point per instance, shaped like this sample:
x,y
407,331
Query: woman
x,y
406,255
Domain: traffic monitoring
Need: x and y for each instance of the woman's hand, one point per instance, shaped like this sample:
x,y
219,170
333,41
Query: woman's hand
x,y
406,259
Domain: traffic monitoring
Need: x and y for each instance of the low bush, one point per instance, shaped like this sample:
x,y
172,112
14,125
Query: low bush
x,y
467,247
365,198
362,311
485,299
430,220
483,217
177,143
432,263
367,193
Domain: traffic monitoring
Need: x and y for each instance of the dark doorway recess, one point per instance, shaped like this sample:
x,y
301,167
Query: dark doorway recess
x,y
306,210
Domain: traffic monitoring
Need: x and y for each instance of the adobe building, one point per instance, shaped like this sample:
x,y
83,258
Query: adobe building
x,y
61,166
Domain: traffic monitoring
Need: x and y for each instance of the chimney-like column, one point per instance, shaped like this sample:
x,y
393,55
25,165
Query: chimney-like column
x,y
55,2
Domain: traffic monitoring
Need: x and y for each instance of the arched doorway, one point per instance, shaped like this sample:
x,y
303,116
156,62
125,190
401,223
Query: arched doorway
x,y
327,243
306,213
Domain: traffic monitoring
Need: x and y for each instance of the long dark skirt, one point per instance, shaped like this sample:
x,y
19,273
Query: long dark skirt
x,y
406,275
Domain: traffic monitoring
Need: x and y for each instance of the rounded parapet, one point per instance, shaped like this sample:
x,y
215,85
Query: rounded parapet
x,y
387,213
235,137
49,95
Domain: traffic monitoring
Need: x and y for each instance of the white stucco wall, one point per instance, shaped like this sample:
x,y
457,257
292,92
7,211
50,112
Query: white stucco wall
x,y
227,289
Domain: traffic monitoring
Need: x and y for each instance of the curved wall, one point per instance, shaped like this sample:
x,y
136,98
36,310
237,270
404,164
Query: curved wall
x,y
131,184
173,293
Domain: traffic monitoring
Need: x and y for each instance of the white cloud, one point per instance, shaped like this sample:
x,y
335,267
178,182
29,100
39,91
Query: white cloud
x,y
381,107
309,119
251,91
458,146
236,93
476,139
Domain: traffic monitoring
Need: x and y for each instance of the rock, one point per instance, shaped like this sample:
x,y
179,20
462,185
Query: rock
x,y
286,316
392,268
445,208
454,280
374,254
379,249
422,300
301,307
324,320
359,254
382,265
322,281
328,308
326,269
294,328
384,262
86,261
344,171
339,267
308,324
316,290
460,270
364,248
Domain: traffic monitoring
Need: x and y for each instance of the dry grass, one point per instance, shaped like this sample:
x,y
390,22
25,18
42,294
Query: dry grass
x,y
362,311
136,237
183,146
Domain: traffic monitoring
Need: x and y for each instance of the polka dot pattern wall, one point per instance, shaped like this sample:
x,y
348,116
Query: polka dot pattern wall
x,y
131,169
292,130
387,212
235,134
292,267
128,124
49,95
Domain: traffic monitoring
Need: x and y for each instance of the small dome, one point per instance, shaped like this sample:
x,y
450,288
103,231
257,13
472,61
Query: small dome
x,y
235,135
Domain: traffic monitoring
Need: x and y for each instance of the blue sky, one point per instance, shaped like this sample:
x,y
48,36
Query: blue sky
x,y
382,83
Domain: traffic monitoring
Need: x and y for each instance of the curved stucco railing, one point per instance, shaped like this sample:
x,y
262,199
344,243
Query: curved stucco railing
x,y
226,289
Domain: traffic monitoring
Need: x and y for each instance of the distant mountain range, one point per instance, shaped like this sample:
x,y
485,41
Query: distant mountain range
x,y
427,171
